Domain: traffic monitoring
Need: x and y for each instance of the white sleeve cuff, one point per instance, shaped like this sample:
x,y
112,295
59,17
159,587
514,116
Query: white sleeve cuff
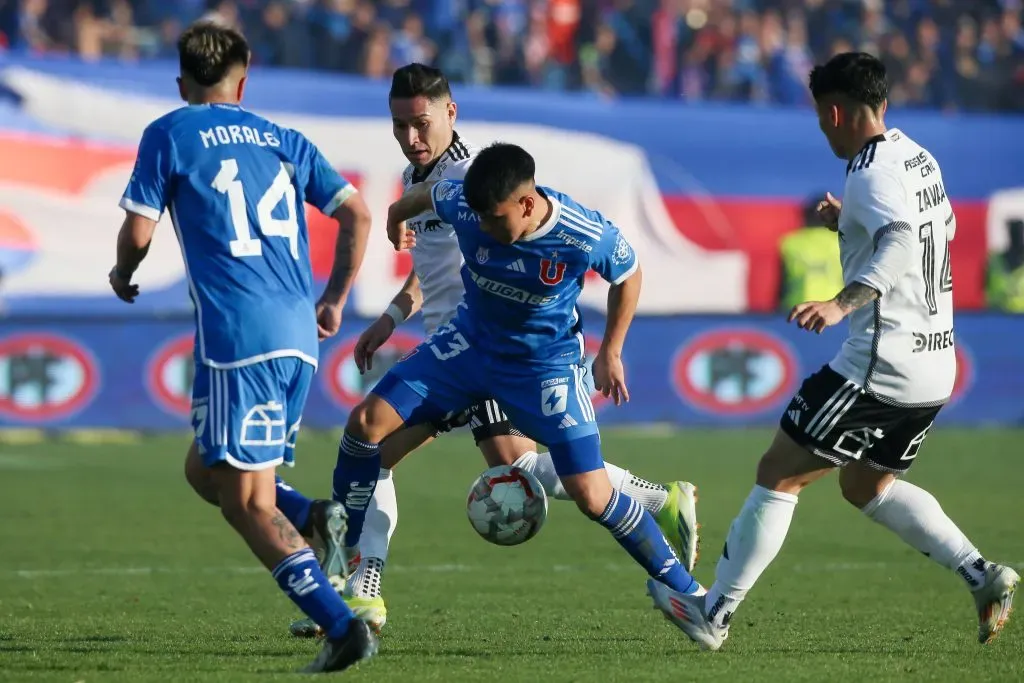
x,y
141,209
338,199
629,273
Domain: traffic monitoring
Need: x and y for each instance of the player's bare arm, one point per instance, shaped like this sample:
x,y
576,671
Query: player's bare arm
x,y
414,202
353,218
889,228
403,306
133,242
855,295
815,316
609,374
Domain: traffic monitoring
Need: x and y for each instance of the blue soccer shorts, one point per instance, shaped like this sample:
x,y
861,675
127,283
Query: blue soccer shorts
x,y
445,375
249,417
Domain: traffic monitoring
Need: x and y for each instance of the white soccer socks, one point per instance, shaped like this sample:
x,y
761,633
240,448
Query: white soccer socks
x,y
651,496
381,520
754,539
915,515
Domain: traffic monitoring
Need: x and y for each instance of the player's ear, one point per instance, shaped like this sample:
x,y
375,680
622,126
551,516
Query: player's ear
x,y
885,106
528,204
241,86
453,112
835,115
181,89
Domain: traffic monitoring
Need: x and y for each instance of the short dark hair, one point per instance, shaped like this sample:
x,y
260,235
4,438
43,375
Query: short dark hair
x,y
419,80
857,75
495,174
208,50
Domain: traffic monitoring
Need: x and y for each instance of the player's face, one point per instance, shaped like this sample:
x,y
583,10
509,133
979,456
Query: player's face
x,y
511,219
423,128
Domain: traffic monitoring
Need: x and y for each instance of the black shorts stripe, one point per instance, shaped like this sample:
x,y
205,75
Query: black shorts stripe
x,y
828,408
850,425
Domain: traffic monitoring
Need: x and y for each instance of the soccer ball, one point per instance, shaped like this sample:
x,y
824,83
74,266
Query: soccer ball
x,y
507,505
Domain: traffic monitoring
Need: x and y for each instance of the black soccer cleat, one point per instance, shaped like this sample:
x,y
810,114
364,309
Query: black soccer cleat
x,y
327,525
358,644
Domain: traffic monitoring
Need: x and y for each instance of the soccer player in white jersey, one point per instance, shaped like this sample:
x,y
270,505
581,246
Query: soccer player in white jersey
x,y
423,116
869,410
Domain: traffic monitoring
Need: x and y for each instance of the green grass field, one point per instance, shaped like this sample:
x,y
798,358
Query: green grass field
x,y
112,570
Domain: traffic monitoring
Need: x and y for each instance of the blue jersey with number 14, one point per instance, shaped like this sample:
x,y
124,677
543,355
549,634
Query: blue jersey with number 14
x,y
235,185
521,298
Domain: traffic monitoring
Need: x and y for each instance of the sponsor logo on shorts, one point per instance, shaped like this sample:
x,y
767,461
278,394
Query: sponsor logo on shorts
x,y
45,377
734,371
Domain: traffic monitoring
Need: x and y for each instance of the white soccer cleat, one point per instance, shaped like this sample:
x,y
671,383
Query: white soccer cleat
x,y
995,600
687,612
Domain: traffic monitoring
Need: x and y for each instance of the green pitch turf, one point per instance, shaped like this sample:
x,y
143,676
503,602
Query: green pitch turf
x,y
112,570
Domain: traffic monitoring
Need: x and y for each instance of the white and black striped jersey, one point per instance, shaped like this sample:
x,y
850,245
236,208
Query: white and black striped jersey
x,y
436,258
899,350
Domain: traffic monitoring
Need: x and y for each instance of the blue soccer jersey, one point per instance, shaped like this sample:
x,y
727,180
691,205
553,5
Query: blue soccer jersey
x,y
521,298
235,185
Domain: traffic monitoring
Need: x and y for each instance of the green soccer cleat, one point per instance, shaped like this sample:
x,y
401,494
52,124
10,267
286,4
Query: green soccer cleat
x,y
994,600
371,611
678,521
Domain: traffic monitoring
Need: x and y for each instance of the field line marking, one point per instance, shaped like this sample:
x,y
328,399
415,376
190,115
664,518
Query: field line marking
x,y
815,568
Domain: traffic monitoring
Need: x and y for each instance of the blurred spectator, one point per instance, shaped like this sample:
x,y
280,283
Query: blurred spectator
x,y
950,54
1004,285
811,269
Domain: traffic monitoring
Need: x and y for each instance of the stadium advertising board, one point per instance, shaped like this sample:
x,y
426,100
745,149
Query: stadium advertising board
x,y
687,371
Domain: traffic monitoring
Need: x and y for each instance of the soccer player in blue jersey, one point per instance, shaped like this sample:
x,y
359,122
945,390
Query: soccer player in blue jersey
x,y
518,339
235,186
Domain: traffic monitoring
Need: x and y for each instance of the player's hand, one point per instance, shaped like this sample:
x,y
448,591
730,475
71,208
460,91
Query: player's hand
x,y
123,287
610,377
400,236
328,318
828,211
815,316
370,340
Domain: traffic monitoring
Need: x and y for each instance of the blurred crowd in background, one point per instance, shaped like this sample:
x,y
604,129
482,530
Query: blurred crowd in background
x,y
948,54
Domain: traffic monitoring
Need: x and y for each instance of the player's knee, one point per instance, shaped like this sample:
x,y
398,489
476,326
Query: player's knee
x,y
239,506
591,492
373,420
860,484
787,467
198,477
592,506
775,472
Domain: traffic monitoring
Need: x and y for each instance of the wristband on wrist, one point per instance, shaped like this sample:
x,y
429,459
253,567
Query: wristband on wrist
x,y
395,313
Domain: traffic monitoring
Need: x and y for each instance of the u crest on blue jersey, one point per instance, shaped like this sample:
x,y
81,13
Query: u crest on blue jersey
x,y
482,254
551,272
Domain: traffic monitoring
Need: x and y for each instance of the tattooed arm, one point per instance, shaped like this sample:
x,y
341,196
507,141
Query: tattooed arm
x,y
353,218
855,295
